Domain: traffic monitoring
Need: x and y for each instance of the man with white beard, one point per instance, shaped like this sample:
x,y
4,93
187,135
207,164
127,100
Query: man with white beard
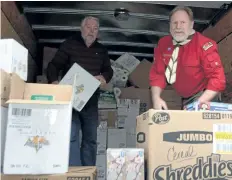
x,y
188,61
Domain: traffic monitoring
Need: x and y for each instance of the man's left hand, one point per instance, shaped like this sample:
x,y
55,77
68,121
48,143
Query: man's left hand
x,y
101,79
207,96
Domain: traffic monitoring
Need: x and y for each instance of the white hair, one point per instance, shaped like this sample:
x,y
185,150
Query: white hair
x,y
87,18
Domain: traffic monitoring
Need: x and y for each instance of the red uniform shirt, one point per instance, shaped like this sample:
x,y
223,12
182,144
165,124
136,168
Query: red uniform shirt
x,y
199,66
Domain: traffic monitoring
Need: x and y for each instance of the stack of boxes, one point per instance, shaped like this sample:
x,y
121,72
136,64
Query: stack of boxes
x,y
14,59
125,97
128,133
36,120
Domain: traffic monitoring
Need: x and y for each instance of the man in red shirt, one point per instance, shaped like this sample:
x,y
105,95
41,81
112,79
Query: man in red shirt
x,y
187,60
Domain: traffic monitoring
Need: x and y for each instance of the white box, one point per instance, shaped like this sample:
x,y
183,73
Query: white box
x,y
39,129
125,164
84,85
4,115
133,112
134,164
131,137
102,138
14,58
128,62
115,164
101,167
123,103
116,138
122,117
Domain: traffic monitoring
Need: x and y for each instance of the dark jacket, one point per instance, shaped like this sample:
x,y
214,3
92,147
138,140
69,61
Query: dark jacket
x,y
94,59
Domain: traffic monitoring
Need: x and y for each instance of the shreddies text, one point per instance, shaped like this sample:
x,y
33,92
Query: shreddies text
x,y
213,168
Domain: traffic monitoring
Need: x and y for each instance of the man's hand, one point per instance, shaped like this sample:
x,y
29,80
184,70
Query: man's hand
x,y
207,96
101,79
55,82
159,104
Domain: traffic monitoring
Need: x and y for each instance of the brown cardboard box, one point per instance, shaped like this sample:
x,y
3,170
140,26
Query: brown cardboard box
x,y
135,93
172,99
108,115
140,76
186,145
75,173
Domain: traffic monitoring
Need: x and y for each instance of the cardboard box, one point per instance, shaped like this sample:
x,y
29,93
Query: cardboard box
x,y
116,138
4,117
212,106
107,100
39,123
123,103
14,58
5,87
134,165
85,85
74,173
140,76
101,167
133,112
109,115
122,117
186,145
125,164
131,137
115,164
128,62
135,93
102,138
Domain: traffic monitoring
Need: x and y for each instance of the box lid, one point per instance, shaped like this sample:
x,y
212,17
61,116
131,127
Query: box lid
x,y
22,92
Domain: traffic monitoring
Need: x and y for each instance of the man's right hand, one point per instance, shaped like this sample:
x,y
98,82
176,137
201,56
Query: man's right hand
x,y
55,82
160,104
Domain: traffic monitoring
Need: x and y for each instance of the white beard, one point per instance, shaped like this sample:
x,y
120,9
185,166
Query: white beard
x,y
184,37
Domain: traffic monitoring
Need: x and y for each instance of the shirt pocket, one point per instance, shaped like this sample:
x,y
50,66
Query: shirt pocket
x,y
212,62
191,66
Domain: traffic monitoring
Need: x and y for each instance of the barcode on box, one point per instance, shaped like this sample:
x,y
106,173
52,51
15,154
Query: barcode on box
x,y
223,127
81,104
222,138
223,148
21,112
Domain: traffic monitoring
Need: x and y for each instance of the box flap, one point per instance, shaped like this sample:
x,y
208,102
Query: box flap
x,y
59,92
17,87
139,77
5,87
32,93
19,101
88,169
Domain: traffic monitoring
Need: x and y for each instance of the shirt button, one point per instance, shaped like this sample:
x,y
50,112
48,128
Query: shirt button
x,y
216,63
